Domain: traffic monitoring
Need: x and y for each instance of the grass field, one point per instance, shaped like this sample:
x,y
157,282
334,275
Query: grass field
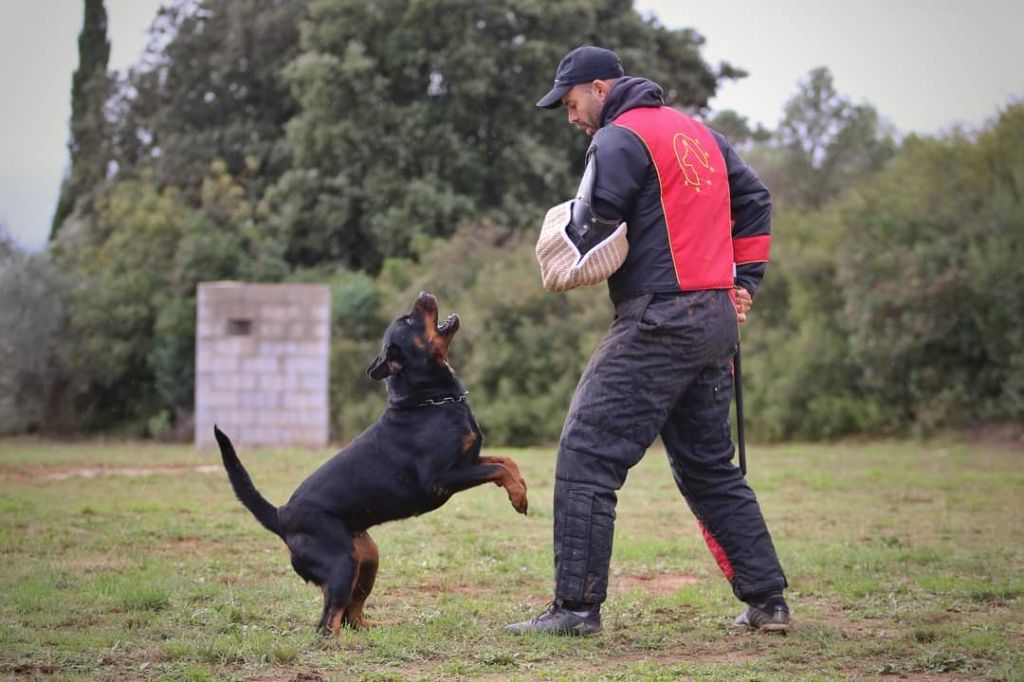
x,y
130,561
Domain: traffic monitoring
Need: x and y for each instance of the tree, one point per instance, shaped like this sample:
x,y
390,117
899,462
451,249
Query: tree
x,y
133,304
196,136
891,307
936,316
827,142
800,377
210,89
119,266
34,379
88,145
226,241
738,131
404,131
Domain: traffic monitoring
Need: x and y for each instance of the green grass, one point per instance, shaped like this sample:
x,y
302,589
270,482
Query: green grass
x,y
905,559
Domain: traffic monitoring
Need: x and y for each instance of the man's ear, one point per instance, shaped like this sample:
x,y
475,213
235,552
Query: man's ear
x,y
385,364
600,89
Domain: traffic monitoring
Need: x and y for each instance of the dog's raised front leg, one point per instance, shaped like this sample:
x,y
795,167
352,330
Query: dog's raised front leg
x,y
489,470
513,482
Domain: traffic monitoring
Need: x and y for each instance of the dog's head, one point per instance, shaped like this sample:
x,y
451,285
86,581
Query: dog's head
x,y
415,346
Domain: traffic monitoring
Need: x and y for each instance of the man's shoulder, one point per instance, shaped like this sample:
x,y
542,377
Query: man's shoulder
x,y
647,118
653,123
651,113
614,136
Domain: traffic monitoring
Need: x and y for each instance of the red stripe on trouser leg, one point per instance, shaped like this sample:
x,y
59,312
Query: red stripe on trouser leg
x,y
717,552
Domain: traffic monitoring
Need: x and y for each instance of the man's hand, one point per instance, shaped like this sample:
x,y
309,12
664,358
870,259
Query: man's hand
x,y
742,302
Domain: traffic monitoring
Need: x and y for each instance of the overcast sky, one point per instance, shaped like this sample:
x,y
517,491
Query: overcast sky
x,y
925,65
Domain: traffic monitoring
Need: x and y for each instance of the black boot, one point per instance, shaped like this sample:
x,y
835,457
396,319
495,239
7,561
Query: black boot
x,y
562,618
770,615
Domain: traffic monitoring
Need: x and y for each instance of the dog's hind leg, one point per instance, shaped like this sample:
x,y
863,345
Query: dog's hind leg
x,y
367,560
337,591
325,556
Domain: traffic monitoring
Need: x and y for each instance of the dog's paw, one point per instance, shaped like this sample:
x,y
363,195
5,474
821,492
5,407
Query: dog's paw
x,y
517,496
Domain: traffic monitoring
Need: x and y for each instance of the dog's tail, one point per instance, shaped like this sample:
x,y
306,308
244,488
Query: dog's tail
x,y
264,512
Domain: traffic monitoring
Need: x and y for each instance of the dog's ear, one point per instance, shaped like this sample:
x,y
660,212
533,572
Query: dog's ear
x,y
385,364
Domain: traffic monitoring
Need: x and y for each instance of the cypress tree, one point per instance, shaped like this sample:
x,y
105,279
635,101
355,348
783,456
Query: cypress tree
x,y
90,87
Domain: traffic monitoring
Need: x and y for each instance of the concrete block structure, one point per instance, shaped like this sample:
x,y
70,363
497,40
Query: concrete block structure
x,y
262,362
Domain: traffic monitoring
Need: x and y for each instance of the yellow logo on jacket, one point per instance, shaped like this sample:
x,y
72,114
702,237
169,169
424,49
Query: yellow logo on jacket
x,y
691,156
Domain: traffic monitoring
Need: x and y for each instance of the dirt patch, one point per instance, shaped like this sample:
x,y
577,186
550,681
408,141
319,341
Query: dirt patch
x,y
192,546
131,472
834,618
99,565
915,676
28,669
704,655
657,584
1007,435
654,584
442,587
287,676
730,658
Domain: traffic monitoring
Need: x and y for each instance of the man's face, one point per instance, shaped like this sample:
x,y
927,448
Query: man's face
x,y
583,105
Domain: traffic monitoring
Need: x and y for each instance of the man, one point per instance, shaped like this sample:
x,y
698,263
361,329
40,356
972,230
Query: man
x,y
698,228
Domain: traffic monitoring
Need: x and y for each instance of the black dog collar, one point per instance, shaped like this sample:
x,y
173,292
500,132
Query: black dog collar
x,y
444,400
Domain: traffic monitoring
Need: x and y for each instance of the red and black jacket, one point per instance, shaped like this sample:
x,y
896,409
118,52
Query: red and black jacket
x,y
693,206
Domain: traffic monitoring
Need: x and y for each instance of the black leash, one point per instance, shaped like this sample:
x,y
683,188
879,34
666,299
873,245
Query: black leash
x,y
737,377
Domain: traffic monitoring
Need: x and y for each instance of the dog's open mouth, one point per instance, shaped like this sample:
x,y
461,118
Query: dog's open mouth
x,y
450,326
426,305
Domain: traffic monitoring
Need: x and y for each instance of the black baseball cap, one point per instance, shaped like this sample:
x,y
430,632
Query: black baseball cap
x,y
584,64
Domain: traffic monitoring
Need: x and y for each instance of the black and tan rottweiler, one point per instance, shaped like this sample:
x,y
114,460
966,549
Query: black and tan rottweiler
x,y
422,450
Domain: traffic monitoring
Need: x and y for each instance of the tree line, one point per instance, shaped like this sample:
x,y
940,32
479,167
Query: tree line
x,y
385,148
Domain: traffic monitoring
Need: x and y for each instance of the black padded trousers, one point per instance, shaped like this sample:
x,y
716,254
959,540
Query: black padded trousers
x,y
664,367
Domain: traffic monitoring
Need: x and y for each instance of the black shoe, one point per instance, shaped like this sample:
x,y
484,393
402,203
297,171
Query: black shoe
x,y
770,616
558,619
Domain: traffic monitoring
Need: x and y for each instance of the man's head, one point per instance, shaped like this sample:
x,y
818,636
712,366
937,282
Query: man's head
x,y
582,82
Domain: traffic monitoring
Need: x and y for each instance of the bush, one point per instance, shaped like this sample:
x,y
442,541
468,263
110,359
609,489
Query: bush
x,y
34,380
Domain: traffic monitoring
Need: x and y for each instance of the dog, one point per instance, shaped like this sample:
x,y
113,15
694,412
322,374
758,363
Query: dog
x,y
422,450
